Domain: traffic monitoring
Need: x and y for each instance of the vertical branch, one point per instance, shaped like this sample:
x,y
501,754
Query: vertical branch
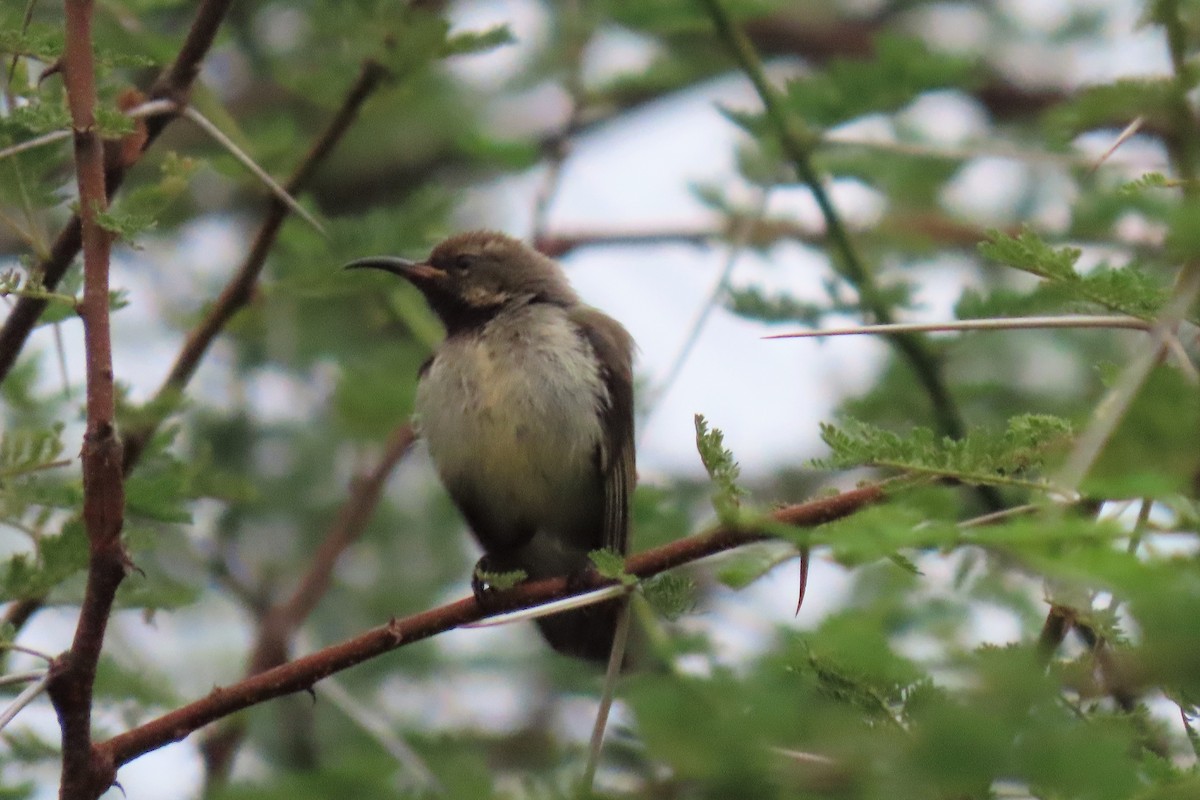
x,y
796,146
74,673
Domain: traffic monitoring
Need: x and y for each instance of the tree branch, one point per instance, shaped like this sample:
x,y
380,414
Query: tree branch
x,y
73,674
174,83
924,227
302,673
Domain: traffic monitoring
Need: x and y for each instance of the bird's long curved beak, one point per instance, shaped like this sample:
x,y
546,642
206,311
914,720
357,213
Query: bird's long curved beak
x,y
416,271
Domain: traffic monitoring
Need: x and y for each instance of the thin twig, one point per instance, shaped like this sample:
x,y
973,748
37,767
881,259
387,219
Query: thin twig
x,y
572,17
616,660
153,108
738,243
896,226
1130,129
156,107
943,152
17,648
549,609
347,528
378,727
380,730
27,470
997,516
1182,359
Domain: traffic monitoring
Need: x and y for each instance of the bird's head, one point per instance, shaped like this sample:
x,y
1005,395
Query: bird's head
x,y
472,276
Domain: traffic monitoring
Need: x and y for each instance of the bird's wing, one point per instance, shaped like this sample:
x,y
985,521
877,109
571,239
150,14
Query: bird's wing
x,y
613,347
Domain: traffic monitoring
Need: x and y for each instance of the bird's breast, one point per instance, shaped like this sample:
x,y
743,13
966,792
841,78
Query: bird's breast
x,y
511,414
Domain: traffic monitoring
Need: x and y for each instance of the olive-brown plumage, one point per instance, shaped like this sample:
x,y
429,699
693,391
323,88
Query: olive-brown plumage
x,y
527,407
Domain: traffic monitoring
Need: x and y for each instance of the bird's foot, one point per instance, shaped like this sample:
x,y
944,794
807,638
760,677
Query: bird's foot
x,y
487,582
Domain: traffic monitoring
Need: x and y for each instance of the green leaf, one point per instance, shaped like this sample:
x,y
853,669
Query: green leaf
x,y
122,683
26,451
1011,457
56,559
501,580
125,226
112,123
1026,251
161,493
722,470
1128,290
899,70
1149,180
611,564
670,594
37,41
477,41
753,303
1153,99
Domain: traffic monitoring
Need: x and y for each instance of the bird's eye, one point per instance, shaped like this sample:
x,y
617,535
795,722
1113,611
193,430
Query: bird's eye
x,y
462,263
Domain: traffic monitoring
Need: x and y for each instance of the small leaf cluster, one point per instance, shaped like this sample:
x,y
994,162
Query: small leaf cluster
x,y
722,470
1128,290
1017,453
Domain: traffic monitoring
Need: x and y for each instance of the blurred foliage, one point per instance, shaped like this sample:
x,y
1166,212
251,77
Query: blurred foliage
x,y
935,675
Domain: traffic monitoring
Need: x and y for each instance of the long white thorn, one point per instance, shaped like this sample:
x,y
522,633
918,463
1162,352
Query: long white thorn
x,y
21,677
245,160
26,697
553,607
37,141
991,324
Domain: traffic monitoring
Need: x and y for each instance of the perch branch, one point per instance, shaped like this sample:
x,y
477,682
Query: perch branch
x,y
302,673
278,625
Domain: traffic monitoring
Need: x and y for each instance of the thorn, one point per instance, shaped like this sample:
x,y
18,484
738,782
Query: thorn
x,y
122,788
53,69
129,566
246,161
1122,137
804,558
312,693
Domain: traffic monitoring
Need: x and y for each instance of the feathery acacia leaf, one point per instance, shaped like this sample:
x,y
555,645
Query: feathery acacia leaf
x,y
722,470
1013,456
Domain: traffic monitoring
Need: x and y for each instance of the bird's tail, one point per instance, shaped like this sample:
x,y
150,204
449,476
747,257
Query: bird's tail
x,y
588,632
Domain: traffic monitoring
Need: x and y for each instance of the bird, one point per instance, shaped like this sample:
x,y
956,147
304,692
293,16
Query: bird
x,y
527,408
